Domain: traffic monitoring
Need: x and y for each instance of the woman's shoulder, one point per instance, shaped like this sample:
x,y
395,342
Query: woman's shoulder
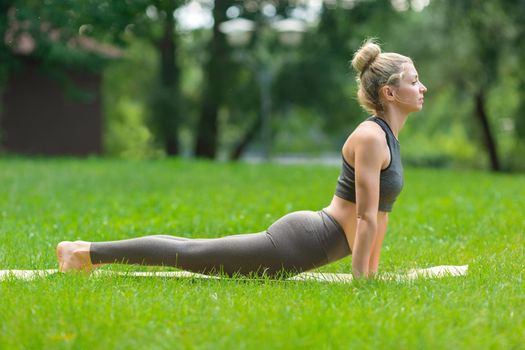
x,y
368,136
368,131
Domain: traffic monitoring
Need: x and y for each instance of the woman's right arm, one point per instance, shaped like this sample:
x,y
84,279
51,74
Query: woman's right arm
x,y
369,157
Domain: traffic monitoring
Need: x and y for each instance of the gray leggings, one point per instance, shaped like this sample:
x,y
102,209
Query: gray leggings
x,y
297,242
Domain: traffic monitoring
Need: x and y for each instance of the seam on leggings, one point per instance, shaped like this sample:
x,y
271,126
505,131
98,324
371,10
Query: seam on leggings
x,y
269,235
339,228
320,241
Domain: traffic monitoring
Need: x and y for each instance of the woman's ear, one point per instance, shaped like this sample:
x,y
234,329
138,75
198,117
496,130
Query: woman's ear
x,y
387,92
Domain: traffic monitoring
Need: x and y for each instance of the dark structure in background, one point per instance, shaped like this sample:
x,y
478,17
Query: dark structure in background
x,y
52,109
40,117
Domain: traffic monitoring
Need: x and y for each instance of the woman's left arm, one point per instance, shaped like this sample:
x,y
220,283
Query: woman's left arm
x,y
382,223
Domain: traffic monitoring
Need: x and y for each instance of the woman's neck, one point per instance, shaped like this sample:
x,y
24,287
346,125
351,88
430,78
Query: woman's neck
x,y
395,120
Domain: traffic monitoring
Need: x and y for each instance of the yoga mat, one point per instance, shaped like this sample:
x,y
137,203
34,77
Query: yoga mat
x,y
431,272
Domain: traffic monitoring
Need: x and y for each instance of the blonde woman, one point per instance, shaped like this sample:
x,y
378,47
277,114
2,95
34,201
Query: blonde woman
x,y
355,222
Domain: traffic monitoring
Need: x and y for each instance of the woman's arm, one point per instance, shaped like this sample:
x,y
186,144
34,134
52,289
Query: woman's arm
x,y
376,247
369,157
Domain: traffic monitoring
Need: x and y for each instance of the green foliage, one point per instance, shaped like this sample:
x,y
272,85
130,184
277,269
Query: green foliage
x,y
461,46
128,137
442,217
127,133
322,79
469,47
301,130
443,149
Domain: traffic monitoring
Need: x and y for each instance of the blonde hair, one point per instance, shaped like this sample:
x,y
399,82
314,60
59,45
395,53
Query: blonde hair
x,y
376,69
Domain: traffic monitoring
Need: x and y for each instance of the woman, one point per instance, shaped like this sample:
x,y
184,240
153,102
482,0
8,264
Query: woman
x,y
354,223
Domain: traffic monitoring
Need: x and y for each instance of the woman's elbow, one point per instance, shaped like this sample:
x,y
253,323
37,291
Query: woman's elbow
x,y
367,217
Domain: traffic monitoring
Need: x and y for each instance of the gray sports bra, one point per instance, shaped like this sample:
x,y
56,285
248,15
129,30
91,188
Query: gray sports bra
x,y
390,180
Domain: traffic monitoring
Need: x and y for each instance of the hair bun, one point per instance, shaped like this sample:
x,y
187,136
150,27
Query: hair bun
x,y
366,54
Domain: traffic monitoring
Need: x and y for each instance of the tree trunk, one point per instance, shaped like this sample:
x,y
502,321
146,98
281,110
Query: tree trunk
x,y
520,112
490,143
248,137
167,99
5,51
214,78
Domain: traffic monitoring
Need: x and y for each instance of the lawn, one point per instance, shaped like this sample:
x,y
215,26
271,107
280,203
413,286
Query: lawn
x,y
443,217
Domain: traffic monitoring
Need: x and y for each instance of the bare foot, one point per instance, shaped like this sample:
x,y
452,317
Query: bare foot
x,y
74,256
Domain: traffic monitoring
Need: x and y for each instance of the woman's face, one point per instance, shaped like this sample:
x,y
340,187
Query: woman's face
x,y
409,95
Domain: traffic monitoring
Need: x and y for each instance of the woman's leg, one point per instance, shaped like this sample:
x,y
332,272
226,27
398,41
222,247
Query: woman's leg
x,y
297,242
77,255
245,254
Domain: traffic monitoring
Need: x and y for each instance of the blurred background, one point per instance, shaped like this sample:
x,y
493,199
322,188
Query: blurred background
x,y
256,80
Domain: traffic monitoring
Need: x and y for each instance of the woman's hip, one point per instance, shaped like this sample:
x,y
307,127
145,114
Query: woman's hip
x,y
313,234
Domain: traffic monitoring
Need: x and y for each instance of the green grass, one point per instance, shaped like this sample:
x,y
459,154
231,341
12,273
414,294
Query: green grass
x,y
442,217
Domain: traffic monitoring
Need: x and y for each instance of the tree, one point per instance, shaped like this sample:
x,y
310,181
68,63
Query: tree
x,y
112,21
215,78
166,100
5,52
490,28
323,79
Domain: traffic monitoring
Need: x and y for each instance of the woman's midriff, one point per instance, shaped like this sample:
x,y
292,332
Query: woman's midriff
x,y
345,213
